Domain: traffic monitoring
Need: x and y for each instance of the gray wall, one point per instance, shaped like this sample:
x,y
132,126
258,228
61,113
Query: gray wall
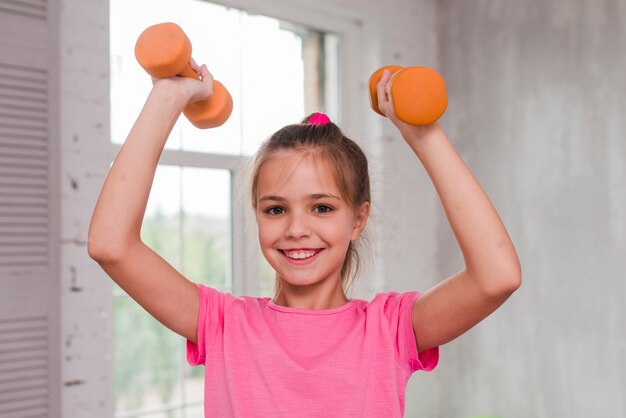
x,y
537,109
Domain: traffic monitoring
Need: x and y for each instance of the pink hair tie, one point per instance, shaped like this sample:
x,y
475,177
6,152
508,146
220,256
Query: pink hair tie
x,y
318,119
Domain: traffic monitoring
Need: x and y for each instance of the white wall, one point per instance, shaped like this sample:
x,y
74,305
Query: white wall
x,y
537,98
86,296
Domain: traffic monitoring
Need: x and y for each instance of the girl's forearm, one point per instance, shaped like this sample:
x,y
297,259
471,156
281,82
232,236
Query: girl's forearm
x,y
119,212
489,254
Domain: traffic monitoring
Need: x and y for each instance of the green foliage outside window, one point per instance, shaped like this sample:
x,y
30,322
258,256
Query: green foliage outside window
x,y
149,358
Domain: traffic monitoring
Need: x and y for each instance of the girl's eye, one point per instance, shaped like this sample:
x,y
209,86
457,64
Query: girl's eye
x,y
323,209
275,210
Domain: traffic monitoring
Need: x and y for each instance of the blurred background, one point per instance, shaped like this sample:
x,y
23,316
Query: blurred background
x,y
536,109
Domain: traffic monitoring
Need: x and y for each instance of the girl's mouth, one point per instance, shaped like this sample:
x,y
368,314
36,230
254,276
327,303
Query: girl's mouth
x,y
301,256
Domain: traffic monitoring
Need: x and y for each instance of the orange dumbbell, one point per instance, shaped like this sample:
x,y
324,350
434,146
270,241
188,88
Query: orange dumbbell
x,y
417,94
163,50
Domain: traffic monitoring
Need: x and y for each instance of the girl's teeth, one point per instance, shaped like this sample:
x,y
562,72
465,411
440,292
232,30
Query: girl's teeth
x,y
301,254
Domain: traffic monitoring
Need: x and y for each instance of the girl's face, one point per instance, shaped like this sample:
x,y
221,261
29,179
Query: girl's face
x,y
305,225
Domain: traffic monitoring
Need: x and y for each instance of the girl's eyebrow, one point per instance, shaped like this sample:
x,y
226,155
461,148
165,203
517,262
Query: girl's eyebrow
x,y
315,196
277,198
318,196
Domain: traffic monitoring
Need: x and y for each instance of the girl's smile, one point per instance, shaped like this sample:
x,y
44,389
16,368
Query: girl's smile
x,y
301,256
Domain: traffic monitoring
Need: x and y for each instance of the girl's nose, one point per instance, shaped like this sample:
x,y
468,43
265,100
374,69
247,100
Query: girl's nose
x,y
297,226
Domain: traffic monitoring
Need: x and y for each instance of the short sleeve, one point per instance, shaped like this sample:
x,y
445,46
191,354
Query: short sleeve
x,y
398,310
210,323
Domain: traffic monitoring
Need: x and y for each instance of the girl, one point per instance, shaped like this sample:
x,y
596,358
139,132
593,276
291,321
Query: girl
x,y
310,351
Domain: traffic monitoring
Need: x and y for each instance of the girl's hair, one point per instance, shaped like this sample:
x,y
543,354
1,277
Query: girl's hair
x,y
320,138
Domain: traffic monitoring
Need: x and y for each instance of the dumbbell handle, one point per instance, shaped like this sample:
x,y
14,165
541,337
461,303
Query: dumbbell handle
x,y
188,72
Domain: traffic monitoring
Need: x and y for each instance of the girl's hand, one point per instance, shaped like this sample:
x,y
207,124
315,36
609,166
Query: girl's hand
x,y
193,90
383,89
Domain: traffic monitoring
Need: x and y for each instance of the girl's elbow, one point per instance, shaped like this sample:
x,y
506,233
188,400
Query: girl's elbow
x,y
503,285
103,251
516,277
98,251
514,283
511,282
510,274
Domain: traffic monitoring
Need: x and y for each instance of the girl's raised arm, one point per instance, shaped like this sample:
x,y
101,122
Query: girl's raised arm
x,y
492,270
114,233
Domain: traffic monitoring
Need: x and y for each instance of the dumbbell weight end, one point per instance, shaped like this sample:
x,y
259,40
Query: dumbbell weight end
x,y
213,112
163,50
373,81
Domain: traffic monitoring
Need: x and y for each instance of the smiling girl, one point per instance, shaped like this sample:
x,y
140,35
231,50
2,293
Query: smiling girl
x,y
309,351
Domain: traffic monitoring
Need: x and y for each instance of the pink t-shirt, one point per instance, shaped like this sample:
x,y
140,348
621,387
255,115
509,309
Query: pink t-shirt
x,y
267,360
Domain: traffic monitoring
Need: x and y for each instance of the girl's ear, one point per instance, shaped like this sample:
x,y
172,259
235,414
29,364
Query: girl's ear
x,y
360,220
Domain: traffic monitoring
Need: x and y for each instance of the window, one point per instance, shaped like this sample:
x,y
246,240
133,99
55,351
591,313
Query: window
x,y
277,72
194,236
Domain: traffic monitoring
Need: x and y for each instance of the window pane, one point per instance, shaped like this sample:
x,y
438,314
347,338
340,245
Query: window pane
x,y
206,210
147,359
253,72
194,412
272,79
162,224
130,84
194,384
188,222
268,66
215,33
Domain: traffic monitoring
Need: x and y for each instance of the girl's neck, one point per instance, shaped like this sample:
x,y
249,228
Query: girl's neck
x,y
296,298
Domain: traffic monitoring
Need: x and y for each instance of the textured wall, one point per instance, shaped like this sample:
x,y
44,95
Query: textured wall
x,y
86,326
537,97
